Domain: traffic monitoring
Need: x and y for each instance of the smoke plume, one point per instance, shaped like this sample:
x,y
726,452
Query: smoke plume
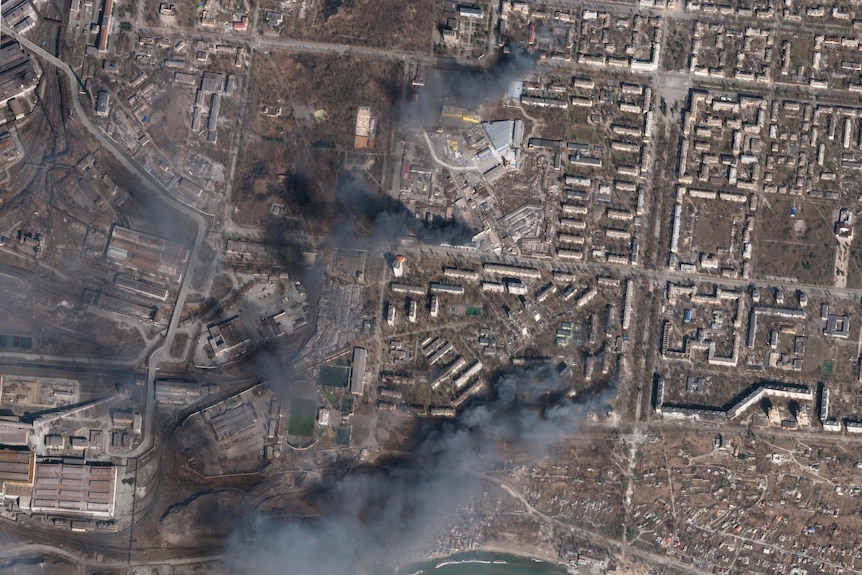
x,y
373,518
388,219
380,514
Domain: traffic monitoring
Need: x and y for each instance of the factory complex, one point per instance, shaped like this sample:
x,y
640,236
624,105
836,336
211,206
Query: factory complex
x,y
65,487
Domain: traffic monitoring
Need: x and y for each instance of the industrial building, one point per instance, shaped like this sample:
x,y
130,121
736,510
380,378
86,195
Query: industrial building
x,y
147,254
72,486
233,421
17,469
177,391
69,486
19,14
357,373
229,337
17,73
137,286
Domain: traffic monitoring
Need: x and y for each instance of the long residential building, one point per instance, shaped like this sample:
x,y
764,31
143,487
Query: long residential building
x,y
512,271
408,289
105,25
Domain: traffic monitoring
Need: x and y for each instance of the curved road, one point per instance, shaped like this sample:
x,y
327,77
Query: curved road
x,y
155,186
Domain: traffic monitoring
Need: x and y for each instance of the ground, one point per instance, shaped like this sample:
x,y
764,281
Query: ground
x,y
801,247
678,45
616,479
294,159
376,23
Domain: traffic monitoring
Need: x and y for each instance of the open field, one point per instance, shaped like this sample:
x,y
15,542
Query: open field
x,y
334,376
379,23
678,44
302,415
301,122
801,247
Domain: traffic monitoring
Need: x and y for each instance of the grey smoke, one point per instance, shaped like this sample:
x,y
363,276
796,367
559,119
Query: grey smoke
x,y
359,212
387,219
374,517
474,87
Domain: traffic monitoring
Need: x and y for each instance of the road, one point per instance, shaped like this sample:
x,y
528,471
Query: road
x,y
315,47
624,271
621,271
84,563
83,116
158,354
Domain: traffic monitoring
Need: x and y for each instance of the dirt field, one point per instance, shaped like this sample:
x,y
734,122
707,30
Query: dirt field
x,y
854,267
822,351
802,247
293,158
377,23
714,226
678,39
715,391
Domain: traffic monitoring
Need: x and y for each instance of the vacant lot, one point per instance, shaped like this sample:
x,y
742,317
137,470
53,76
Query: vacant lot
x,y
678,42
715,222
301,123
378,23
801,247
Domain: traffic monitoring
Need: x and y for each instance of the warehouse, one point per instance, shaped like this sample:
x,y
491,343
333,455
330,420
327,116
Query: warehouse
x,y
147,254
71,486
137,286
357,374
233,421
17,74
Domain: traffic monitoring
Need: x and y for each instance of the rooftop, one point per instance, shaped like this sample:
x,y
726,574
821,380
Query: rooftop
x,y
357,376
233,421
16,70
16,466
72,486
500,134
146,253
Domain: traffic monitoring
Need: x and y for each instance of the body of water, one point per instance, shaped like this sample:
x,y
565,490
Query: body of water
x,y
482,564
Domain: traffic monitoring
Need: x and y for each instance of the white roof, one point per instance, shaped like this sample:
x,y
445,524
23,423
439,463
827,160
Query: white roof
x,y
500,133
